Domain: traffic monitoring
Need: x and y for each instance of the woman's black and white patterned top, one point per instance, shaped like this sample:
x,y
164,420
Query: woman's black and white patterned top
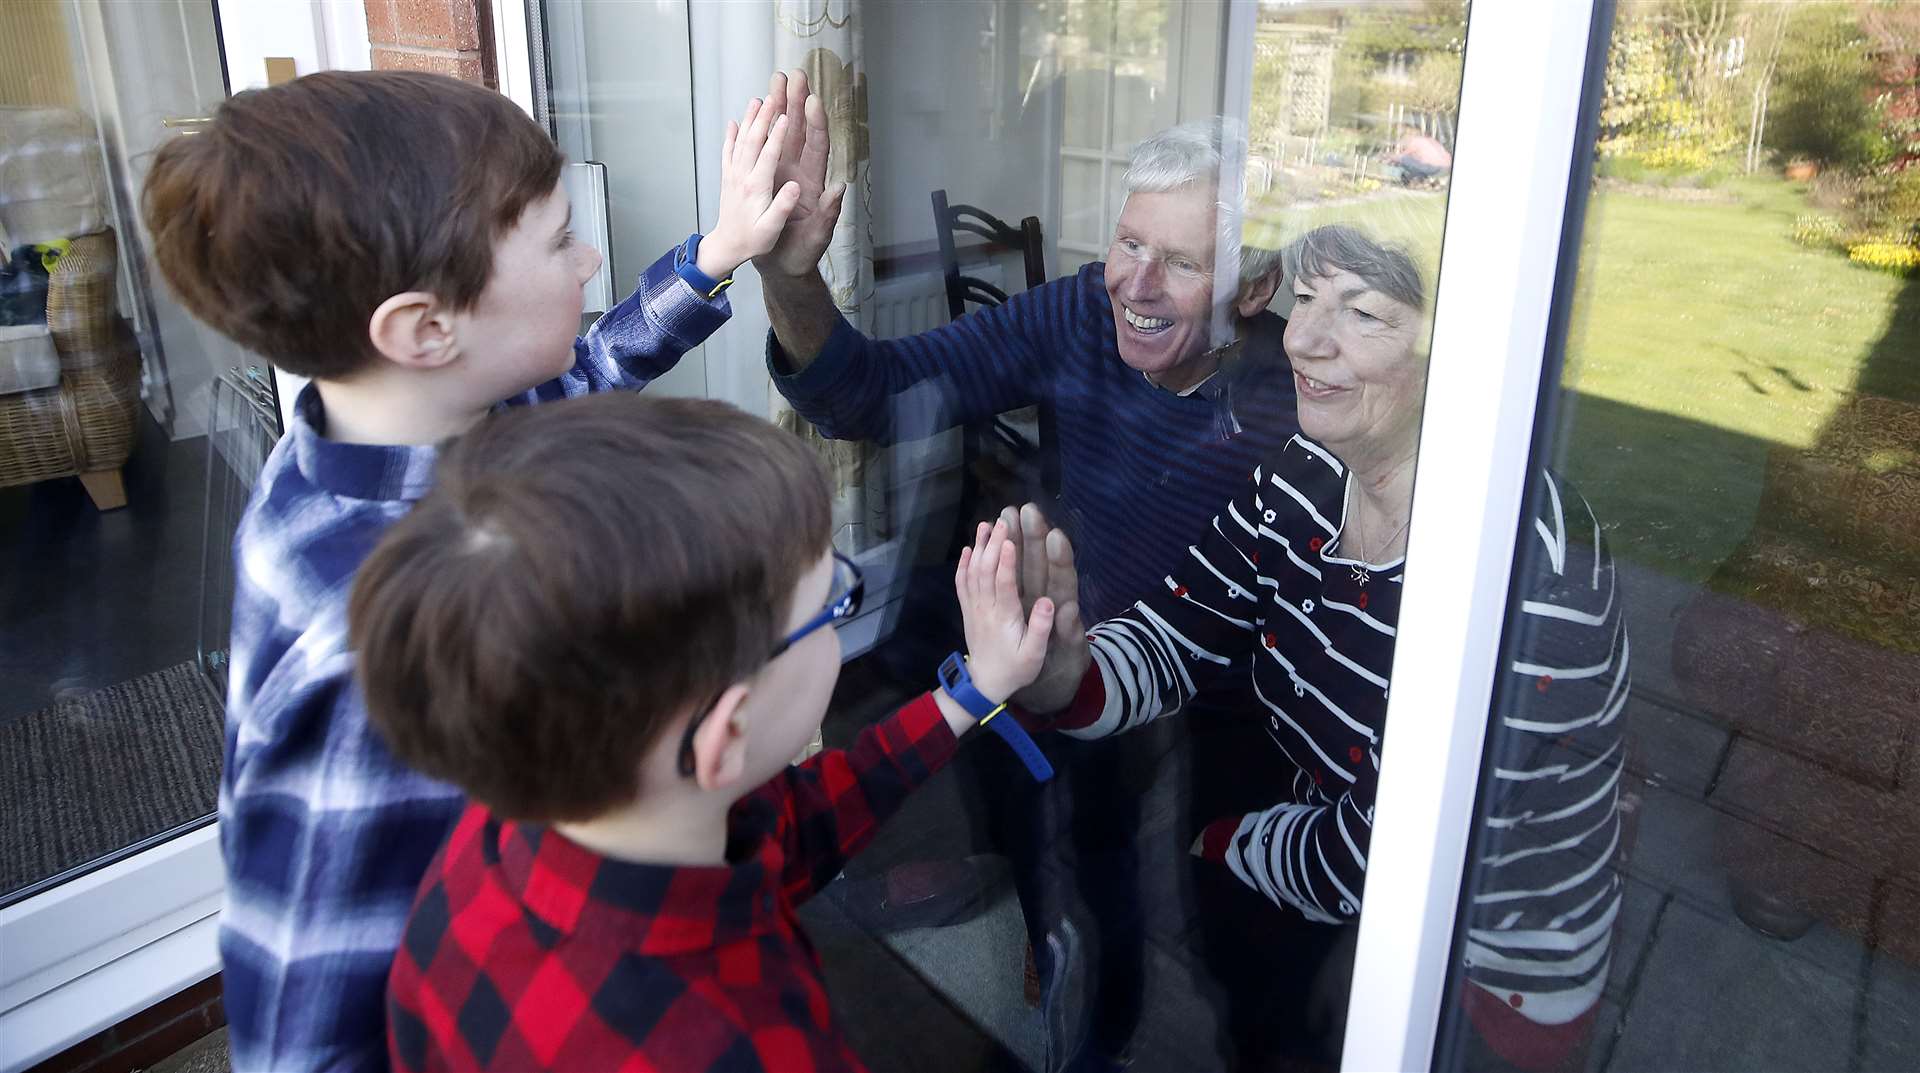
x,y
1269,580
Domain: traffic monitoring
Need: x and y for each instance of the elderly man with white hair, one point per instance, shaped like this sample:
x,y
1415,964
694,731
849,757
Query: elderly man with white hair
x,y
1168,382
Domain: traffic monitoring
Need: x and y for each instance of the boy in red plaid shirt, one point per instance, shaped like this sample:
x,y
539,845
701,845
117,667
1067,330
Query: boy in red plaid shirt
x,y
605,624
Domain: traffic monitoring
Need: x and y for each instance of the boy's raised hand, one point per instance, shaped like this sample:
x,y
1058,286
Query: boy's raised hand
x,y
803,160
1047,568
1005,645
753,209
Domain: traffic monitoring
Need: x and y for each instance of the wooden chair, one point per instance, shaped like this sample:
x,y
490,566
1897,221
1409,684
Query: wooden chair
x,y
964,290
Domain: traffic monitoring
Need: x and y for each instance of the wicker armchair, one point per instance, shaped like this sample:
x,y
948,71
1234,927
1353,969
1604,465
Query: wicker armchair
x,y
82,425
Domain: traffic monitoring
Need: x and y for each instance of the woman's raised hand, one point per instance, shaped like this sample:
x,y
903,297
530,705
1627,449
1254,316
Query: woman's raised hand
x,y
1047,570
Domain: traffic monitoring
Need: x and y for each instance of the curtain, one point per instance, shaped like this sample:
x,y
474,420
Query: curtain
x,y
824,39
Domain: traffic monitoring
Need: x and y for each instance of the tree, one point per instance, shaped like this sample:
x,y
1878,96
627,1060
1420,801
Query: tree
x,y
1822,107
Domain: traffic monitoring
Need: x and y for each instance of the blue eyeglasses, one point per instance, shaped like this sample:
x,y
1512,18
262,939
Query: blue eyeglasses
x,y
843,602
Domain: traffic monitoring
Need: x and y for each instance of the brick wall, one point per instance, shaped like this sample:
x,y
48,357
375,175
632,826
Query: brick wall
x,y
146,1037
449,37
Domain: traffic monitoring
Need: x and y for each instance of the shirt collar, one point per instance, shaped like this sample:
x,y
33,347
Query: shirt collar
x,y
652,909
356,470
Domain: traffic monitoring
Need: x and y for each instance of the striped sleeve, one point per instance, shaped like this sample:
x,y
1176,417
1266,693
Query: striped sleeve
x,y
1310,857
1546,888
1154,656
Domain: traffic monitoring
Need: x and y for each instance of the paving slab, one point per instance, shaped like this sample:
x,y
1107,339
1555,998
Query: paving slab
x,y
1716,995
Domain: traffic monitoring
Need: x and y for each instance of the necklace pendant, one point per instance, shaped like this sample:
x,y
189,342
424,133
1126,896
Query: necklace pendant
x,y
1361,575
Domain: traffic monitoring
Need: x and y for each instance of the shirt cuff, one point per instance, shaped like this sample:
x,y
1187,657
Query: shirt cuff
x,y
672,304
1216,838
822,372
923,730
1087,703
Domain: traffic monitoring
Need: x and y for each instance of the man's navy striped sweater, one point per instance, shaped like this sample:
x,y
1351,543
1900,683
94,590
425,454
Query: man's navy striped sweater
x,y
1142,470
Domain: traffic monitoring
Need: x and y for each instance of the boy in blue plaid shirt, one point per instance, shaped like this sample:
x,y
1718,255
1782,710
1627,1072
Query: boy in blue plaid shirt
x,y
403,241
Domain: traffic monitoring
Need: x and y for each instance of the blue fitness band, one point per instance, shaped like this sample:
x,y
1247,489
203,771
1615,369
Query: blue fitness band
x,y
959,685
684,267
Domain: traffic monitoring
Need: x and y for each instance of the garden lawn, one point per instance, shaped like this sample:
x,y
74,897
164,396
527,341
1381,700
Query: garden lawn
x,y
1703,337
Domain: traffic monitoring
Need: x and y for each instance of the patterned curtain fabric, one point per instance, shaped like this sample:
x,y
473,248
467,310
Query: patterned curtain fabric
x,y
823,38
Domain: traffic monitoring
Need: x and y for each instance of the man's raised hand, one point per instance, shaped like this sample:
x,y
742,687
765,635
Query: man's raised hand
x,y
802,161
755,205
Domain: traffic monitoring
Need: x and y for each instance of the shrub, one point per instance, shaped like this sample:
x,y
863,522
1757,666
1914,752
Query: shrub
x,y
1821,107
1817,230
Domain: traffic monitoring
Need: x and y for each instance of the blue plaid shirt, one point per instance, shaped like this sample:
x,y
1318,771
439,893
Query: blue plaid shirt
x,y
326,836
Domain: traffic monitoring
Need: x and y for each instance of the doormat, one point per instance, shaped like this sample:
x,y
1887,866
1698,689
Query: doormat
x,y
99,772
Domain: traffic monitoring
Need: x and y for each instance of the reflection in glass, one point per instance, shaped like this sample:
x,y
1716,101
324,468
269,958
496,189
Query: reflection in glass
x,y
1155,360
109,737
1738,403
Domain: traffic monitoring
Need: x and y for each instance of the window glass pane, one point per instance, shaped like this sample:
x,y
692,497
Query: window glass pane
x,y
127,441
1121,363
1080,198
1085,94
1694,848
1141,105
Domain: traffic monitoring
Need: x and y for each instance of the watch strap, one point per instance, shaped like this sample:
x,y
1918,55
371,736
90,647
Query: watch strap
x,y
1021,742
959,685
687,268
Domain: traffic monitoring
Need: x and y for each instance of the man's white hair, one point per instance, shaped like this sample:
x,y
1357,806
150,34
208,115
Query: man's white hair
x,y
1211,151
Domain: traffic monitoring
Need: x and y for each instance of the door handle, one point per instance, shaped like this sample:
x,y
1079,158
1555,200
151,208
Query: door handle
x,y
586,185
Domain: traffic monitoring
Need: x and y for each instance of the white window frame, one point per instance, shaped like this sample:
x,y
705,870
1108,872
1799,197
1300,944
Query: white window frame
x,y
1524,70
98,949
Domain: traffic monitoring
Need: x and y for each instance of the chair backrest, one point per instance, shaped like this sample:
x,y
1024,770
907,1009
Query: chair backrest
x,y
962,288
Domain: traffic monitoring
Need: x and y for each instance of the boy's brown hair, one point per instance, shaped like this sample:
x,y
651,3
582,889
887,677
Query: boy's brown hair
x,y
304,206
582,572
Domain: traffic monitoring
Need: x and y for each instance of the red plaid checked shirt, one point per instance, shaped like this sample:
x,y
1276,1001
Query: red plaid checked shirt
x,y
527,951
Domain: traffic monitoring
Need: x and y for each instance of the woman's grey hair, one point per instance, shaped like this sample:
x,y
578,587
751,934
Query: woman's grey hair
x,y
1212,151
1339,248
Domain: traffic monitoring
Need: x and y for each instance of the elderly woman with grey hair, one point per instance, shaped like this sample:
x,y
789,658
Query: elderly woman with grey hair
x,y
1301,573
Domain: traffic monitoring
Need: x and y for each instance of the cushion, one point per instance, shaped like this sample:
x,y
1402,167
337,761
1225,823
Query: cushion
x,y
52,181
28,361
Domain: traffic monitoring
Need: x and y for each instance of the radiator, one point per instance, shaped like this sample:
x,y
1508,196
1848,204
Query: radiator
x,y
905,305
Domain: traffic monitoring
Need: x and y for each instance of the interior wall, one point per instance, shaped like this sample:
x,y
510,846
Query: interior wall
x,y
939,121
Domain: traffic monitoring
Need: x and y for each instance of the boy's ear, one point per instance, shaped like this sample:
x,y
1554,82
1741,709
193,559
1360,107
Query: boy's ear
x,y
1258,294
720,745
413,329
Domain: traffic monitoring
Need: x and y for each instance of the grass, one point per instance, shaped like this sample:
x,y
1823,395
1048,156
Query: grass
x,y
1703,338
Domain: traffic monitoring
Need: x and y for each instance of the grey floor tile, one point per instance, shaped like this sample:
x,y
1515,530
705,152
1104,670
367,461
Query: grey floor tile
x,y
1606,1035
892,1016
1640,909
1673,847
1179,1026
1891,1028
977,966
1675,851
1653,602
1716,995
1671,747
